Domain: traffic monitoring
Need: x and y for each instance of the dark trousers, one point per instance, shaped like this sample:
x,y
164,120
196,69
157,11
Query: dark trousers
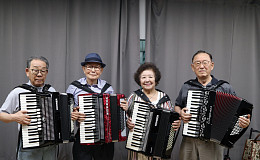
x,y
103,151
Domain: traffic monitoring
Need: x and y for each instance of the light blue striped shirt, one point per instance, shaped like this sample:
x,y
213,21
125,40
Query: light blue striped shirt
x,y
96,88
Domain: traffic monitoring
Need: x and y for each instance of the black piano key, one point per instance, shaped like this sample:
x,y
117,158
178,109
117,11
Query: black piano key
x,y
90,138
142,109
140,116
139,131
140,122
33,134
191,133
34,141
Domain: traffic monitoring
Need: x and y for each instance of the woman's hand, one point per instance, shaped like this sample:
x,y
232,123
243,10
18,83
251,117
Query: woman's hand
x,y
130,125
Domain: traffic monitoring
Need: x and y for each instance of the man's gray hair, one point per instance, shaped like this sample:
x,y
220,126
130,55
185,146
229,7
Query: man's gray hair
x,y
29,60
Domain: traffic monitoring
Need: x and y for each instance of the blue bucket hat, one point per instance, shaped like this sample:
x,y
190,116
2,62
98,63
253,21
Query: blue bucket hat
x,y
93,57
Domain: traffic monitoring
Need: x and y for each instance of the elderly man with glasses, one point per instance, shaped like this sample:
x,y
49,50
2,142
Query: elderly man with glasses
x,y
36,71
93,68
195,148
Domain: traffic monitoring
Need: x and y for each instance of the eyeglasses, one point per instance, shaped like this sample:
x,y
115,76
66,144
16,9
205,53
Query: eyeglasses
x,y
36,71
96,68
204,63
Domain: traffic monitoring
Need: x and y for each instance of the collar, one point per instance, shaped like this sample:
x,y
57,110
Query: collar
x,y
39,89
212,82
98,85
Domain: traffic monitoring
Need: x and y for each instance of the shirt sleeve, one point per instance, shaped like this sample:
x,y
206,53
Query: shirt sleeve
x,y
51,89
182,97
227,88
11,103
179,99
130,102
72,90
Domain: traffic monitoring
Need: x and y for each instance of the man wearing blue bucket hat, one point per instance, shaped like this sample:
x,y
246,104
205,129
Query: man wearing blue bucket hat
x,y
92,67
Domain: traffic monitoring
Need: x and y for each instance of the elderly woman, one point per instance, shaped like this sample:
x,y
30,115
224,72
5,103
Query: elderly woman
x,y
147,76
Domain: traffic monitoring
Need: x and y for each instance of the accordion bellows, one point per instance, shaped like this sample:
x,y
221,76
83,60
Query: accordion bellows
x,y
215,116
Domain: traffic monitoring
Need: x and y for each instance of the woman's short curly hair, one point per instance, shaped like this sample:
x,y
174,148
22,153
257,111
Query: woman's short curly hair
x,y
147,66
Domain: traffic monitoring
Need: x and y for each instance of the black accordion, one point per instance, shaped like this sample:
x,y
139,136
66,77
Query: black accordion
x,y
105,120
152,134
215,116
50,115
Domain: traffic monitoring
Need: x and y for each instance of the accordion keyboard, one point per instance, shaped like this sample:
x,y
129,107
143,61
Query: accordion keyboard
x,y
89,128
193,104
31,134
136,137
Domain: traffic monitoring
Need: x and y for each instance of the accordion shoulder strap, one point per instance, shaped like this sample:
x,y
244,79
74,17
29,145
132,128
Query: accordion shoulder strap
x,y
106,86
193,82
219,83
34,89
46,87
81,86
28,87
163,100
87,89
146,99
141,94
